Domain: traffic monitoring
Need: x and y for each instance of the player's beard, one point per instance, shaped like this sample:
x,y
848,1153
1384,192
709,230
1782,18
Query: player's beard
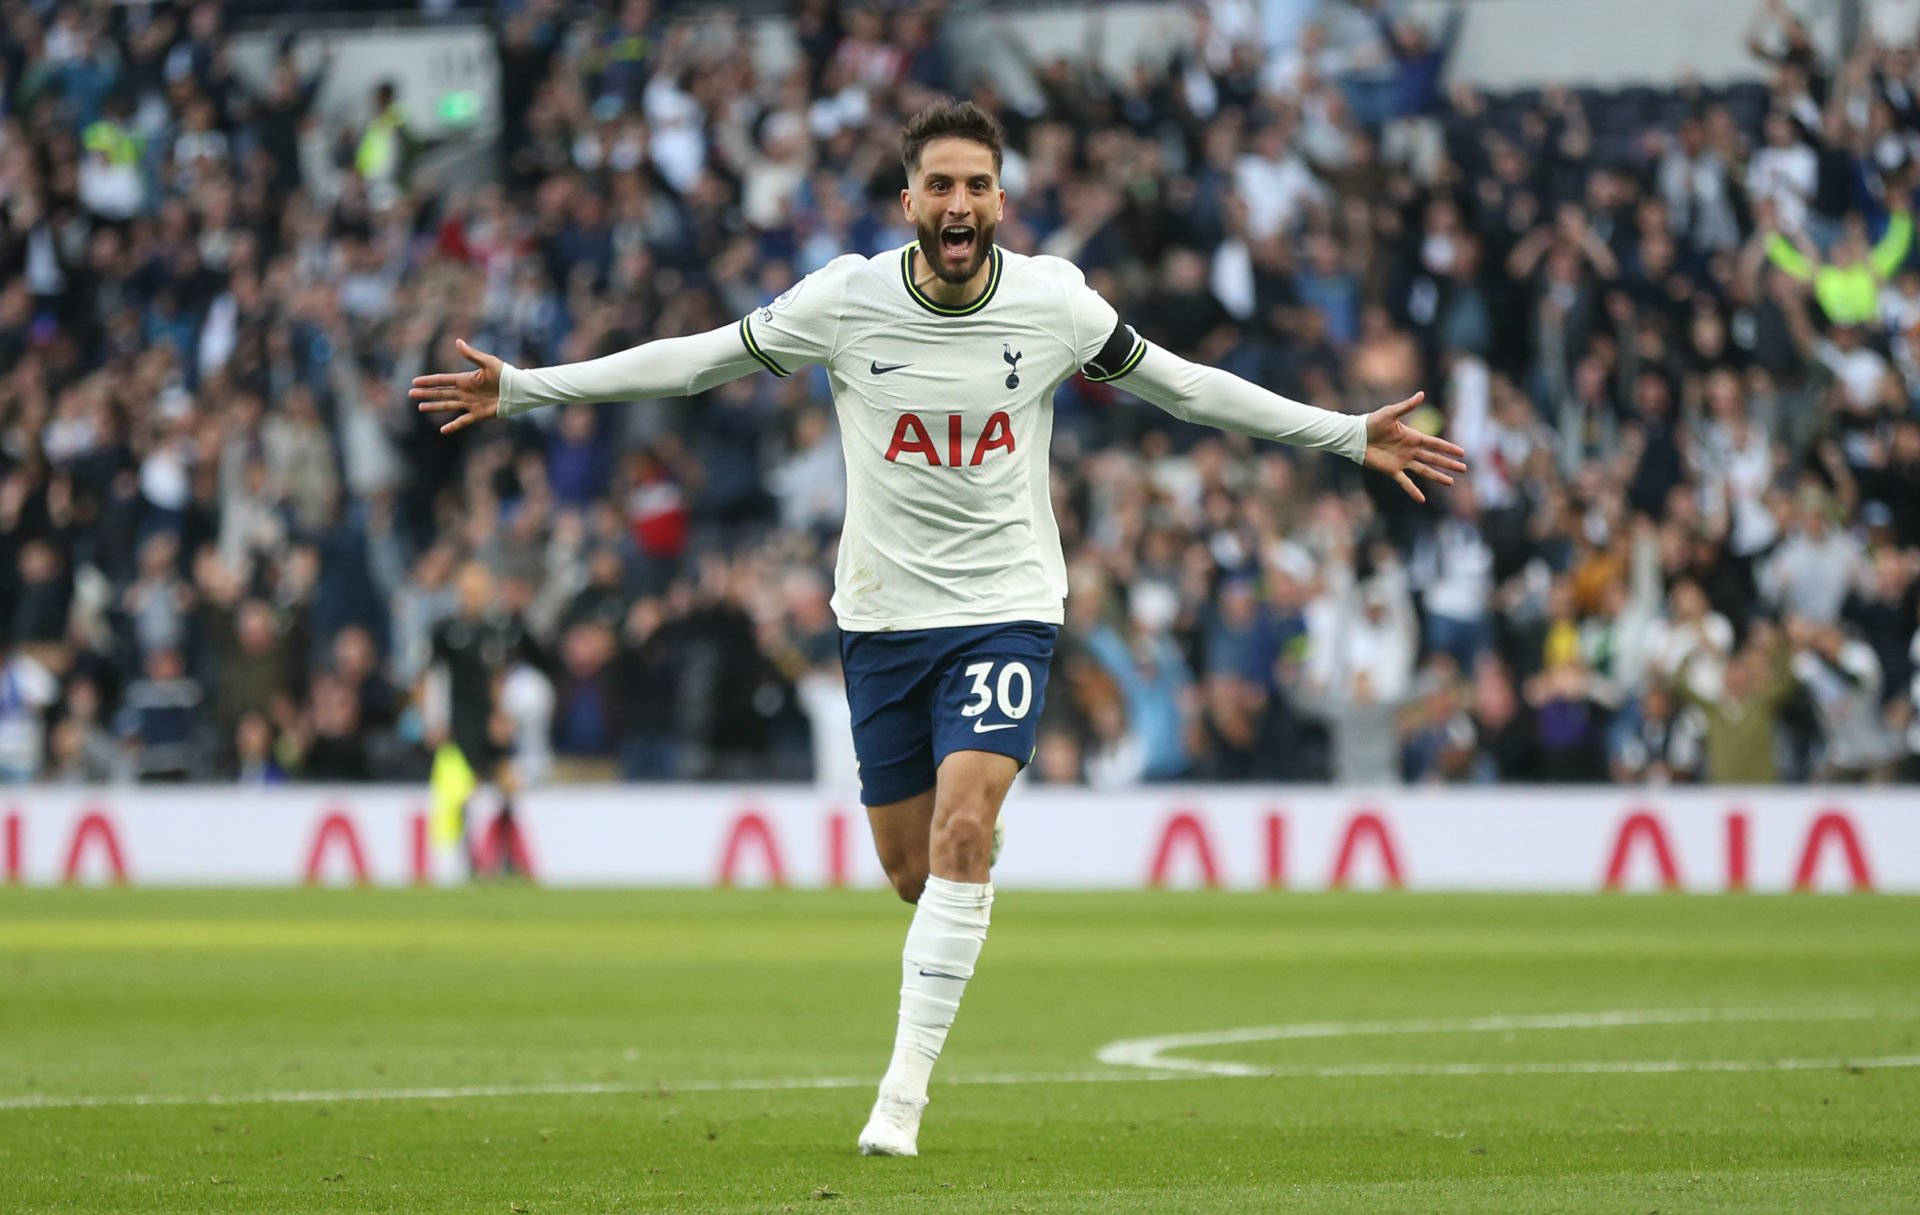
x,y
935,256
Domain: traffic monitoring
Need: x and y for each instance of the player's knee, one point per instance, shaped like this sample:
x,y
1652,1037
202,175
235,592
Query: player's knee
x,y
908,885
908,879
965,835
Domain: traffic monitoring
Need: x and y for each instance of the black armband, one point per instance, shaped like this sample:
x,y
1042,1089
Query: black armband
x,y
1120,355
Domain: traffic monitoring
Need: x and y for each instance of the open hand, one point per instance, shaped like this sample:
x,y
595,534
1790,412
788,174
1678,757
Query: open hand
x,y
1395,448
475,395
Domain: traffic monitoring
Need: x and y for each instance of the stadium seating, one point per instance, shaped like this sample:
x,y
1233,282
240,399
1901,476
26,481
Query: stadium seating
x,y
213,492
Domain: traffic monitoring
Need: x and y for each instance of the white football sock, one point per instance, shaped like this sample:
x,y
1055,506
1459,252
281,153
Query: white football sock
x,y
949,927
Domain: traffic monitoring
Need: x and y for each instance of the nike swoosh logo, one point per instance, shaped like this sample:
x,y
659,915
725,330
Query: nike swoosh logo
x,y
934,974
981,727
877,369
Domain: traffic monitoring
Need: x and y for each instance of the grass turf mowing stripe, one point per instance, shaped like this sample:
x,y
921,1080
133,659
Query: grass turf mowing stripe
x,y
1596,1067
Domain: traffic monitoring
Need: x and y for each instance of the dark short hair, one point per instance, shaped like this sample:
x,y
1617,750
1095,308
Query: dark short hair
x,y
949,119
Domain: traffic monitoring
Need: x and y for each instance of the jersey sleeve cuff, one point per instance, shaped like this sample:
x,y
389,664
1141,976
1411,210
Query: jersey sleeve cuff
x,y
1355,448
510,404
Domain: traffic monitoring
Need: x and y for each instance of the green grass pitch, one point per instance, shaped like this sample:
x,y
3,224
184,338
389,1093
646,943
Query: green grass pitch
x,y
507,1049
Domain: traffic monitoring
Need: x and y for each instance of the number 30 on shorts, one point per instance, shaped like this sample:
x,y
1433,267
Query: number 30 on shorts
x,y
1013,689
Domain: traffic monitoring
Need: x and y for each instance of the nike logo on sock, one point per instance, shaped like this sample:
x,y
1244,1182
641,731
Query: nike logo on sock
x,y
877,369
981,727
934,974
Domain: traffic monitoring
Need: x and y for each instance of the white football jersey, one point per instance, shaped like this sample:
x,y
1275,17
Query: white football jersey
x,y
946,417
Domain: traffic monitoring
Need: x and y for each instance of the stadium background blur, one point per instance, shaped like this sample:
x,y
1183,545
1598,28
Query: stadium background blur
x,y
1673,323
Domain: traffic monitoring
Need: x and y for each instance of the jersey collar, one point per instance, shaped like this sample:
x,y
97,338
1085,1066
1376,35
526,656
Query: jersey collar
x,y
920,298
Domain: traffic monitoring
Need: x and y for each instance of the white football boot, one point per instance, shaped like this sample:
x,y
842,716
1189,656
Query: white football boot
x,y
894,1127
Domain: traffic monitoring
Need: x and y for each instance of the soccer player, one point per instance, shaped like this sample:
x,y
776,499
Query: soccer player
x,y
943,357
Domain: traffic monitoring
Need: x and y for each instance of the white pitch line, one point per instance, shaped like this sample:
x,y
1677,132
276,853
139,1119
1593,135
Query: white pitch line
x,y
1150,1053
1598,1067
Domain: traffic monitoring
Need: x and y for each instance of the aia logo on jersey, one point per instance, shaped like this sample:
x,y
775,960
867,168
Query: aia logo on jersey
x,y
911,437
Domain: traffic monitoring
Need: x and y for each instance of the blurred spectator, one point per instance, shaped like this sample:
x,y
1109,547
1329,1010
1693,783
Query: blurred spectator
x,y
1783,172
80,749
1847,279
1438,734
1154,681
812,484
1567,704
471,651
576,459
253,666
585,718
354,664
1743,716
649,682
1365,730
527,706
1506,734
335,748
1815,566
1842,677
1357,628
254,762
1654,744
45,595
160,720
26,689
1458,580
159,600
423,601
384,151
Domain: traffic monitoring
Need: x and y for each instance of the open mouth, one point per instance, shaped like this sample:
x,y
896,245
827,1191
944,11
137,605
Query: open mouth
x,y
956,240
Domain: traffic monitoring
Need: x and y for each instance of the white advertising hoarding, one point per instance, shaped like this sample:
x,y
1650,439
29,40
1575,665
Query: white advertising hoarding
x,y
1249,838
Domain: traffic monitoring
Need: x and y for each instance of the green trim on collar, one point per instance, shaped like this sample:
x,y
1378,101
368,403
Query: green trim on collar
x,y
919,297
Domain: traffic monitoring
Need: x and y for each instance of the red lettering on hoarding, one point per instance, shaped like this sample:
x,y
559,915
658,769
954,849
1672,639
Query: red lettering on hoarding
x,y
1838,827
96,828
336,832
1642,825
1369,825
750,828
837,849
12,861
503,839
1736,852
1276,851
421,846
1183,826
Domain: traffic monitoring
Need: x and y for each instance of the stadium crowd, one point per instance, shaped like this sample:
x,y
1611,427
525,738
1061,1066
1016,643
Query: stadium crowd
x,y
1677,328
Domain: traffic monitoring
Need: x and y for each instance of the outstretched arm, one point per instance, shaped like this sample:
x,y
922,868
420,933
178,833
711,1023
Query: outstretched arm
x,y
1892,248
1195,392
680,366
1796,260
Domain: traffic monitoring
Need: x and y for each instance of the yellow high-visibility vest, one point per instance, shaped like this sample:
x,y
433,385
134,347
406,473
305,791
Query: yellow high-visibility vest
x,y
378,156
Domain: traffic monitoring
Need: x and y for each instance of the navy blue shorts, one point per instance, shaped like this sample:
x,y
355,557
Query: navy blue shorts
x,y
919,696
